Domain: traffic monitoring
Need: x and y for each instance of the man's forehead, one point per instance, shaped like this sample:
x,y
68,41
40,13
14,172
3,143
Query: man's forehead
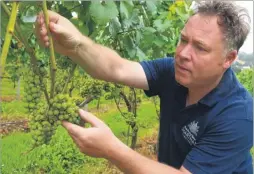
x,y
202,25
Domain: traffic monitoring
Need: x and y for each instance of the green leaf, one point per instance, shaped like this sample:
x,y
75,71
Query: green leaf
x,y
80,25
151,6
130,46
133,20
183,15
103,12
126,8
32,11
149,30
75,21
65,12
84,29
70,4
162,26
91,26
114,27
140,54
83,11
27,29
138,37
157,53
159,42
148,40
25,5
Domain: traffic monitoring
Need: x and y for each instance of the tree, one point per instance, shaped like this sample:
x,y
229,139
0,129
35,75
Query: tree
x,y
245,76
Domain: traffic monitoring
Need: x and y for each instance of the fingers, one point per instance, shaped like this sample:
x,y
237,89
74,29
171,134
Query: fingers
x,y
73,129
90,118
40,27
41,31
72,132
53,16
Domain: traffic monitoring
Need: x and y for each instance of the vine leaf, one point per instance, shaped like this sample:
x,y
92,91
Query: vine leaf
x,y
114,27
126,8
103,12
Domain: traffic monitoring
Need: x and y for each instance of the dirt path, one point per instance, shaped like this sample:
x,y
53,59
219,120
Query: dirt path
x,y
9,126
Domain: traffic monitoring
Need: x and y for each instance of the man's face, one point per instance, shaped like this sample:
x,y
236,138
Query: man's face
x,y
200,54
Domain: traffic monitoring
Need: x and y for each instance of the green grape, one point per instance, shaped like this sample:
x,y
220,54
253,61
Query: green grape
x,y
61,111
64,106
59,122
69,110
29,98
50,113
51,101
58,105
35,95
56,112
66,116
61,117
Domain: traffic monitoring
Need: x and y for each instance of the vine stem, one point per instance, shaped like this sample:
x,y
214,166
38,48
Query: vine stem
x,y
29,50
8,36
52,53
64,91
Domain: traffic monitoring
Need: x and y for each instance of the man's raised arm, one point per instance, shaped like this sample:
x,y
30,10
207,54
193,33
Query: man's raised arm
x,y
99,61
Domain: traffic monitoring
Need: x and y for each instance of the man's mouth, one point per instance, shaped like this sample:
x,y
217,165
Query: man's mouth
x,y
182,68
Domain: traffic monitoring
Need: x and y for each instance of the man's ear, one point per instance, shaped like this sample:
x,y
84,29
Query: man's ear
x,y
230,58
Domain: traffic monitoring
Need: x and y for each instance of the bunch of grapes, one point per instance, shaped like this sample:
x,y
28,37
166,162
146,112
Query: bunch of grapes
x,y
47,119
41,129
32,91
92,87
62,107
61,78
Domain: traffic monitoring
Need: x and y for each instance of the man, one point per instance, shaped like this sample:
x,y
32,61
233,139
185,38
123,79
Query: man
x,y
206,114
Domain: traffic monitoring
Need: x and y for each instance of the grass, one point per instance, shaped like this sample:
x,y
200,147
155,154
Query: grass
x,y
13,109
12,148
7,87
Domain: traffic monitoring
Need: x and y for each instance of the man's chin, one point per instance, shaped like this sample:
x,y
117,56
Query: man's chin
x,y
182,81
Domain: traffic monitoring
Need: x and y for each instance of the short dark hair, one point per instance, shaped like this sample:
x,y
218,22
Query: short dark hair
x,y
231,19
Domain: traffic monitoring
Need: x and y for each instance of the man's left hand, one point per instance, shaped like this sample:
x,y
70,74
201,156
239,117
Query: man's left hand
x,y
97,140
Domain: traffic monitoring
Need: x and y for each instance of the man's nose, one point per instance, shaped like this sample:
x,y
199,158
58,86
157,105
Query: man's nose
x,y
185,53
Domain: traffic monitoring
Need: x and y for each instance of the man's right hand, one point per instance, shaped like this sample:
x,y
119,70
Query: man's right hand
x,y
66,36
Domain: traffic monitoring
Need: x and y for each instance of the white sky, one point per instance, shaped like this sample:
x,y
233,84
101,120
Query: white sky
x,y
248,44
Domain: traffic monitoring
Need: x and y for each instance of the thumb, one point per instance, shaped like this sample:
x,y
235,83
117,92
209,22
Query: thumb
x,y
90,118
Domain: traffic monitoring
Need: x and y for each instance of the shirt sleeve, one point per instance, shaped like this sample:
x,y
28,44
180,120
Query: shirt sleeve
x,y
159,73
223,148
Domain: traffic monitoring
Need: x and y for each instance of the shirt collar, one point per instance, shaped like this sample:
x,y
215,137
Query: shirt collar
x,y
225,87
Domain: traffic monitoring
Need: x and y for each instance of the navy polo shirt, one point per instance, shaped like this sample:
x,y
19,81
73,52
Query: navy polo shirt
x,y
212,136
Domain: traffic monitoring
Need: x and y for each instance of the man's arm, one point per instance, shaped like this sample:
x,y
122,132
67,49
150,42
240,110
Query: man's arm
x,y
99,141
129,161
105,64
99,61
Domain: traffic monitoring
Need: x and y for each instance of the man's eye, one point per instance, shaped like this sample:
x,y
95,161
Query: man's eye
x,y
201,48
183,40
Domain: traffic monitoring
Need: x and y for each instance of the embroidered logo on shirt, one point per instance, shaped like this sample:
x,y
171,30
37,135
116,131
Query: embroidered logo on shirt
x,y
190,132
193,126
